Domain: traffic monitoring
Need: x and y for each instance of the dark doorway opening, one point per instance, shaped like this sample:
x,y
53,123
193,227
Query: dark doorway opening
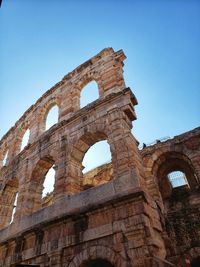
x,y
97,263
196,262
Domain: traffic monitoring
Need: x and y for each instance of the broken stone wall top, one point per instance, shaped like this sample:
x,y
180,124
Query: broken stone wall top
x,y
106,69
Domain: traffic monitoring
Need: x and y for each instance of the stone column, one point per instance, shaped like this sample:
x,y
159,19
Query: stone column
x,y
55,258
70,101
112,79
68,172
126,159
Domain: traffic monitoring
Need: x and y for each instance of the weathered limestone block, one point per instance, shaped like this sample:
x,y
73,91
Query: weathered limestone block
x,y
122,214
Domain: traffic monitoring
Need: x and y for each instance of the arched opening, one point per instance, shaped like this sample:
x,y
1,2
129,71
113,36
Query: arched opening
x,y
92,168
97,165
97,263
174,172
52,117
49,181
42,184
196,262
14,207
177,178
8,199
97,155
48,187
5,159
89,94
25,139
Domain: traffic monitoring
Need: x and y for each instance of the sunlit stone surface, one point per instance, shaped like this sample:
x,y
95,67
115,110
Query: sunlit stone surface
x,y
121,214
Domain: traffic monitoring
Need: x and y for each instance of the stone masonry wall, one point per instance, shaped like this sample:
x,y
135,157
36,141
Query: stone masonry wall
x,y
119,215
180,206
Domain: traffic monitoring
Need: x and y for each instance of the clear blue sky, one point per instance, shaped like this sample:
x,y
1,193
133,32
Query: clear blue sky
x,y
41,41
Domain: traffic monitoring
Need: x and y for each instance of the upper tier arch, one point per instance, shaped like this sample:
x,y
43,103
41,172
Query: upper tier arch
x,y
66,95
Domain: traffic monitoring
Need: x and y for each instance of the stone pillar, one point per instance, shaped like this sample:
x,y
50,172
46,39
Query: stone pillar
x,y
23,194
33,128
70,101
14,148
126,158
3,255
68,172
74,175
19,243
55,258
112,79
39,235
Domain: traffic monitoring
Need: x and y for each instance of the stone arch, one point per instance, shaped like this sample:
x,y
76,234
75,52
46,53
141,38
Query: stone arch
x,y
25,139
85,142
4,152
168,162
123,148
79,149
19,136
78,86
87,77
36,182
7,199
44,111
89,94
98,168
98,252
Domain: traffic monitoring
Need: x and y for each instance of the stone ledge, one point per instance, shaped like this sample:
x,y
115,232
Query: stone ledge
x,y
74,205
78,115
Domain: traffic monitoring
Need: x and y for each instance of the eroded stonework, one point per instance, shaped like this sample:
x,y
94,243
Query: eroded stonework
x,y
122,214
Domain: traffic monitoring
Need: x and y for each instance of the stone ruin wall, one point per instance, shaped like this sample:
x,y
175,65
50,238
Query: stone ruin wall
x,y
179,207
106,69
124,212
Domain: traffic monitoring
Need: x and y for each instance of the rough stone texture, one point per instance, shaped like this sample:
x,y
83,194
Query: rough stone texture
x,y
97,176
124,213
179,207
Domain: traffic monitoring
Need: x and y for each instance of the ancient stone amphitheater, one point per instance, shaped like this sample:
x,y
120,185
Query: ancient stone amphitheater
x,y
129,212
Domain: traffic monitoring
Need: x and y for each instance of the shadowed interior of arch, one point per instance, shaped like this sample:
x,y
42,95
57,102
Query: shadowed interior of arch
x,y
174,171
52,117
195,262
89,94
97,263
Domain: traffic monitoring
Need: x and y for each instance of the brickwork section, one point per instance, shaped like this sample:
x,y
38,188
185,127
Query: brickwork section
x,y
180,206
122,214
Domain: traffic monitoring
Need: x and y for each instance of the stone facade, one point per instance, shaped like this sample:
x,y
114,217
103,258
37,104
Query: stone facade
x,y
122,214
